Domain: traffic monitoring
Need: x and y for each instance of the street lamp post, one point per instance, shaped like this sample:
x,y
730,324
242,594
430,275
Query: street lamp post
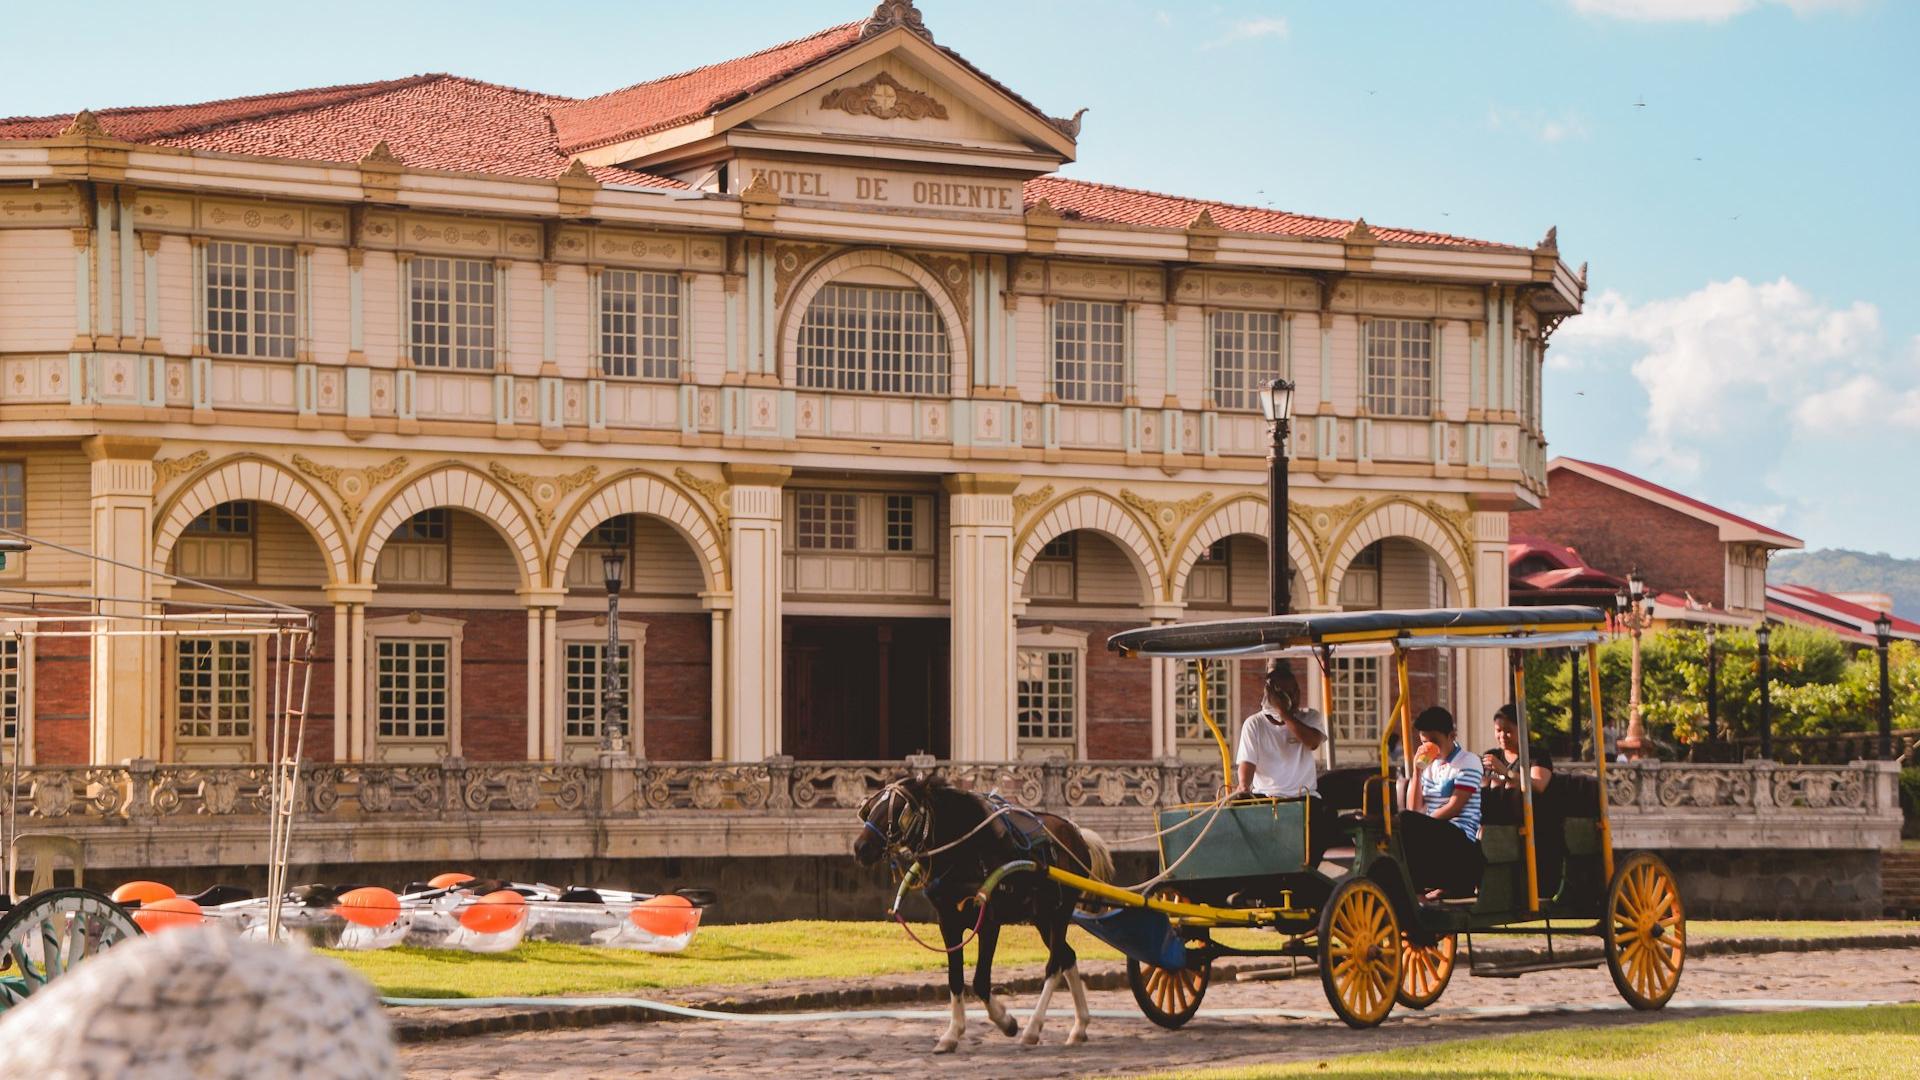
x,y
1636,605
1276,401
613,706
1764,635
1883,636
1713,685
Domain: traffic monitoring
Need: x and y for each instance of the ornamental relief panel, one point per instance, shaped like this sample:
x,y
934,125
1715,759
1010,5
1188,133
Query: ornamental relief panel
x,y
1399,299
45,206
955,274
885,98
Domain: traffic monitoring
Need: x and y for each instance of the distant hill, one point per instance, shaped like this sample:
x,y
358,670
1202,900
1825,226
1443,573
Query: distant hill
x,y
1840,570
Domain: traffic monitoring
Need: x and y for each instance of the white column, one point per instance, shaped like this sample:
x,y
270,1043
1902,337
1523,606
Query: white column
x,y
719,606
125,672
536,726
349,657
753,639
983,638
1488,686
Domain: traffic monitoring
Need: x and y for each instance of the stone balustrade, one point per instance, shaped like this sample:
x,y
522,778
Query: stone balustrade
x,y
146,813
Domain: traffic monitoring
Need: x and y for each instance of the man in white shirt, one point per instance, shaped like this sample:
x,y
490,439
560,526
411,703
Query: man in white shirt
x,y
1275,756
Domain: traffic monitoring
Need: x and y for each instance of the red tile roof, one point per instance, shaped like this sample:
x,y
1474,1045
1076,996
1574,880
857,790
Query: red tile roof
x,y
659,104
427,121
1806,604
1088,201
1707,509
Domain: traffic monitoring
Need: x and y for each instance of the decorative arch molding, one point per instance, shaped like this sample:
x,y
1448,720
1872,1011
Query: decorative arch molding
x,y
1098,512
641,492
460,487
1241,514
252,478
1398,518
959,370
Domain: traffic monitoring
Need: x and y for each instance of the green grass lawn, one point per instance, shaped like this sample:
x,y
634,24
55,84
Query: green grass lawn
x,y
751,954
1824,1044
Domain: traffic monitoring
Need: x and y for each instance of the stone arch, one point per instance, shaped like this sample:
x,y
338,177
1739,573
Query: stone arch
x,y
641,493
1093,511
461,488
253,479
1242,514
1397,519
960,363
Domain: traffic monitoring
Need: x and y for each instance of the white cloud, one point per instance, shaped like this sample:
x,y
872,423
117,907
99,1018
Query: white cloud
x,y
1265,26
1712,11
1538,123
1737,361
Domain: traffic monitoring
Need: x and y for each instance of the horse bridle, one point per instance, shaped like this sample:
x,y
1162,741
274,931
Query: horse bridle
x,y
913,824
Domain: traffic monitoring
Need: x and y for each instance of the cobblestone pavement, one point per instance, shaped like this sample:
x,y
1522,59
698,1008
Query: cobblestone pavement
x,y
893,1047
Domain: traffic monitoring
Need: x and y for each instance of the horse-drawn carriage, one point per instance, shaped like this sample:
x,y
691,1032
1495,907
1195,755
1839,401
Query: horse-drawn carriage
x,y
1346,902
1549,872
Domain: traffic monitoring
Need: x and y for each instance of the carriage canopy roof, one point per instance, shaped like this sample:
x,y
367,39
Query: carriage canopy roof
x,y
1524,627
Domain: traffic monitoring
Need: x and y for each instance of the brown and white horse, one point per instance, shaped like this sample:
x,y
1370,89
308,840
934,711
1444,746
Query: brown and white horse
x,y
958,839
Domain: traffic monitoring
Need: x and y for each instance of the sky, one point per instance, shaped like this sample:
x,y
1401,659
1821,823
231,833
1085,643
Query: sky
x,y
1737,173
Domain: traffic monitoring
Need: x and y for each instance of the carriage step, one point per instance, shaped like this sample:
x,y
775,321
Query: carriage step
x,y
1514,971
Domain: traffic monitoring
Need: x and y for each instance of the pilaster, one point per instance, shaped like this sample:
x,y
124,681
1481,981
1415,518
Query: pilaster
x,y
1488,684
125,671
980,512
753,632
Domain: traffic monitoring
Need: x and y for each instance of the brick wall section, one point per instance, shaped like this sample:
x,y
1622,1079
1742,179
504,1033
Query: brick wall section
x,y
1119,707
317,745
62,701
493,686
1617,532
677,699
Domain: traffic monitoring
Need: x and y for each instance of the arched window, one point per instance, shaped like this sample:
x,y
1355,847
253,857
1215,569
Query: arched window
x,y
872,339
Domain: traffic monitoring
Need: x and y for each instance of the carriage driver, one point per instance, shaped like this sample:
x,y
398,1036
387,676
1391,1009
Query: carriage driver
x,y
1276,751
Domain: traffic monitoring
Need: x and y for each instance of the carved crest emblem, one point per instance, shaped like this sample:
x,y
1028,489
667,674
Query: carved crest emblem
x,y
884,97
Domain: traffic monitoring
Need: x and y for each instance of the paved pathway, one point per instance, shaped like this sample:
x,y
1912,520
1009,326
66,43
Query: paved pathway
x,y
897,1047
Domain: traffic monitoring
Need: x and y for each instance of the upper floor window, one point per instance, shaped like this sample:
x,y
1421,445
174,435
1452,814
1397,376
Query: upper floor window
x,y
250,299
1052,575
1530,384
639,324
1399,367
213,689
872,339
1089,352
13,495
825,521
1246,356
418,552
1208,582
1188,724
1048,688
218,545
899,523
10,694
587,569
452,318
226,519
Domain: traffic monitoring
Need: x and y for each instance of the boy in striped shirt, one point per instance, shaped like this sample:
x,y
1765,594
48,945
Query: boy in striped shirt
x,y
1440,827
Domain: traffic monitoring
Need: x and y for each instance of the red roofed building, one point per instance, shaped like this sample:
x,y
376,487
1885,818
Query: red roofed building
x,y
816,338
1850,615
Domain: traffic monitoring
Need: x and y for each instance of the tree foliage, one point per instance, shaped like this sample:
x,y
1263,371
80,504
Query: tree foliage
x,y
1820,685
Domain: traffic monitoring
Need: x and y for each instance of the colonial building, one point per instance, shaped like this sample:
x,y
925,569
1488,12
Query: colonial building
x,y
894,424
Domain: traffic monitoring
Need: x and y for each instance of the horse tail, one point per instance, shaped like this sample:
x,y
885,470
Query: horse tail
x,y
1099,856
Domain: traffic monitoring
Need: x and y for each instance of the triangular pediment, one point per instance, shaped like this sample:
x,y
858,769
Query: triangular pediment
x,y
893,97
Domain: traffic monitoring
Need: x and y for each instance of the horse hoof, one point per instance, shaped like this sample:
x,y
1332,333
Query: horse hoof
x,y
945,1046
1075,1038
1010,1027
1031,1038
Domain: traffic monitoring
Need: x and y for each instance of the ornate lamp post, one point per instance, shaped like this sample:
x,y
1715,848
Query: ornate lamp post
x,y
1764,635
1636,606
1276,401
1713,684
613,701
1883,636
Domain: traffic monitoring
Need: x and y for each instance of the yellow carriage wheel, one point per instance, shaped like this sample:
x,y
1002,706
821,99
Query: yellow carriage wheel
x,y
1360,952
1170,996
1646,931
1425,970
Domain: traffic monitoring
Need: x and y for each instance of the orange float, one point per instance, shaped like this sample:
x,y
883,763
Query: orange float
x,y
449,880
665,916
495,913
144,892
371,906
167,913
